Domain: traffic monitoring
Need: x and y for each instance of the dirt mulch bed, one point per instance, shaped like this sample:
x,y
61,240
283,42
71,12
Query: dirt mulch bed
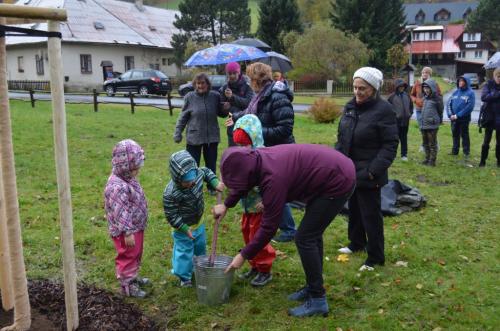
x,y
98,309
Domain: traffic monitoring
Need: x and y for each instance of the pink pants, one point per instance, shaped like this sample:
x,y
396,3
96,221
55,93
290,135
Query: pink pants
x,y
128,259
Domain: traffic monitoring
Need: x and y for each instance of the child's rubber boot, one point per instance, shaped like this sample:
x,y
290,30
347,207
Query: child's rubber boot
x,y
300,295
142,281
133,290
312,306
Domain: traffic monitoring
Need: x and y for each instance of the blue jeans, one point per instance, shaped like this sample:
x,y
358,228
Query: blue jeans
x,y
418,113
184,249
287,225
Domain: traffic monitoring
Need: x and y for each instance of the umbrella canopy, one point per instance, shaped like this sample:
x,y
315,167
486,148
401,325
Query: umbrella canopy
x,y
277,61
257,43
493,62
224,53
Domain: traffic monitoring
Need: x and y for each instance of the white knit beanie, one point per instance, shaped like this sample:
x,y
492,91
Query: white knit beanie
x,y
372,76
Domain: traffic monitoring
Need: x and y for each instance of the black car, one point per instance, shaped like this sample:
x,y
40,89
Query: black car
x,y
217,82
142,81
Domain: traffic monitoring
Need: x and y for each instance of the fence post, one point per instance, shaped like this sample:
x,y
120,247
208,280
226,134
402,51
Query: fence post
x,y
329,87
32,98
292,85
132,104
95,100
169,99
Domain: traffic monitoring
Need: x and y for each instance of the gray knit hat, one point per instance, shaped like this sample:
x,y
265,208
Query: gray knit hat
x,y
372,76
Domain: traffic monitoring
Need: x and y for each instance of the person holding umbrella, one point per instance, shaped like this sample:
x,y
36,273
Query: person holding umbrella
x,y
235,94
317,175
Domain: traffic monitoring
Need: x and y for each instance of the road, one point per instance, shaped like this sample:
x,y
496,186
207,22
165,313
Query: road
x,y
178,102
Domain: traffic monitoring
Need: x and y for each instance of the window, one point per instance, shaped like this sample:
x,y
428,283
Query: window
x,y
20,64
442,15
137,74
433,36
416,36
478,54
129,63
39,64
157,66
163,61
171,61
472,36
86,63
420,17
126,75
461,55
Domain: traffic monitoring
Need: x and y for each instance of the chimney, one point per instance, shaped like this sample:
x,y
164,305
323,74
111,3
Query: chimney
x,y
139,4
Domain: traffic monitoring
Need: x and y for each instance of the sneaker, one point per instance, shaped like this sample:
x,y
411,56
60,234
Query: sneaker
x,y
186,283
366,267
261,279
404,158
300,295
313,306
345,250
249,274
283,238
133,290
142,281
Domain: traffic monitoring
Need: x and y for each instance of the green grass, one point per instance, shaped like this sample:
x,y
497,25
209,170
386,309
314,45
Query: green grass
x,y
451,246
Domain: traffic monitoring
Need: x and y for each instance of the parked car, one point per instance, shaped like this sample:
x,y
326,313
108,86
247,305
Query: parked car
x,y
217,82
474,79
142,81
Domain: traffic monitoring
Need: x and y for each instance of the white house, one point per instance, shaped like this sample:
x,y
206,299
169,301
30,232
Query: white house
x,y
100,36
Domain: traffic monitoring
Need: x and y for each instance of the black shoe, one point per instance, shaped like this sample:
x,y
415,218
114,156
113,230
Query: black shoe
x,y
453,153
482,164
261,279
249,274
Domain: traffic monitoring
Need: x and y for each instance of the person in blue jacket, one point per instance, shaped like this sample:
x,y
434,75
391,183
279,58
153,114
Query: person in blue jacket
x,y
459,107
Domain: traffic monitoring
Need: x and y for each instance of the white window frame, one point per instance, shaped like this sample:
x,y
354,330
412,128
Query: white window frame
x,y
86,63
39,64
478,54
20,64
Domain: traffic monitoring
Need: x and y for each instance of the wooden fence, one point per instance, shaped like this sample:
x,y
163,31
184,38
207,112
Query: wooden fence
x,y
27,85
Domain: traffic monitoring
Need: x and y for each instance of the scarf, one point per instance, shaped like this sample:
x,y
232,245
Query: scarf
x,y
252,107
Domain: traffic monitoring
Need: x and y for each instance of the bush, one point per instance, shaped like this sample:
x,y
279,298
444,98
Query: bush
x,y
324,110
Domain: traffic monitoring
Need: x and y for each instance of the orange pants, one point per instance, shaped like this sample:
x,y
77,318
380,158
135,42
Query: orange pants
x,y
263,261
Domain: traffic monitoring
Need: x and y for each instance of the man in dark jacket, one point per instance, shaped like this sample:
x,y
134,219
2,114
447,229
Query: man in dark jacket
x,y
490,96
403,107
235,94
460,106
368,134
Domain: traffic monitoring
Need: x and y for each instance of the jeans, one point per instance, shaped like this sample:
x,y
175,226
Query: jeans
x,y
403,138
185,248
309,239
287,225
209,154
460,130
418,113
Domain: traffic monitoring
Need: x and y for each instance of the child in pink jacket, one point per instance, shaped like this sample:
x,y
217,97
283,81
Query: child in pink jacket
x,y
127,214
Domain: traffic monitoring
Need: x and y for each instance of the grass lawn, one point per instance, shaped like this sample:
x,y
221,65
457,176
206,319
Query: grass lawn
x,y
451,246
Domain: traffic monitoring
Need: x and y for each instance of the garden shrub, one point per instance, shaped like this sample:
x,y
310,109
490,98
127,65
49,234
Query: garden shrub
x,y
325,110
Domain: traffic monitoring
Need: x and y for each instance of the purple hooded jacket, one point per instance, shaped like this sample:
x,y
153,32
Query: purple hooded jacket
x,y
124,200
284,173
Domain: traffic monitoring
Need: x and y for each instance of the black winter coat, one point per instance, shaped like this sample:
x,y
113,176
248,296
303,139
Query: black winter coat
x,y
275,112
368,134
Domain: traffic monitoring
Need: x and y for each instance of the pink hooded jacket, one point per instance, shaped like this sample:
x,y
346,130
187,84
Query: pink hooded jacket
x,y
125,202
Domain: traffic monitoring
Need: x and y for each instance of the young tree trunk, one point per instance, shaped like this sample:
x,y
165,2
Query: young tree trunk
x,y
62,171
22,311
5,278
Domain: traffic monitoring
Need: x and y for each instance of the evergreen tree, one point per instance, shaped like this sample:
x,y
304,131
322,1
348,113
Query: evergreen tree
x,y
378,23
485,19
213,20
277,18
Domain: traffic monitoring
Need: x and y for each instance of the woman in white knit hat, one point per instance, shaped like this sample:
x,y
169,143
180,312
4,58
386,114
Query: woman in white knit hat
x,y
368,134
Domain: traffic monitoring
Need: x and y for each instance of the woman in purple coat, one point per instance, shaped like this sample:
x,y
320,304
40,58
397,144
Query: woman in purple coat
x,y
316,175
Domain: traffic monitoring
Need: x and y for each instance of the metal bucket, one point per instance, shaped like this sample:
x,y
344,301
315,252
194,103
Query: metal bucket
x,y
213,286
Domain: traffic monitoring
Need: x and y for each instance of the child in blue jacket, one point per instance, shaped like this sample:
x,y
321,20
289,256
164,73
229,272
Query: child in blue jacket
x,y
459,107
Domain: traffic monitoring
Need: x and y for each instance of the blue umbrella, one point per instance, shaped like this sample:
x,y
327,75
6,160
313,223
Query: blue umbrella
x,y
224,53
493,62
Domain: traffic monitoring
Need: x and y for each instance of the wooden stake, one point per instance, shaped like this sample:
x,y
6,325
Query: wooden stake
x,y
33,12
22,312
5,278
62,171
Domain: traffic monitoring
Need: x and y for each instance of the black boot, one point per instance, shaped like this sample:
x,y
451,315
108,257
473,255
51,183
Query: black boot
x,y
498,154
484,155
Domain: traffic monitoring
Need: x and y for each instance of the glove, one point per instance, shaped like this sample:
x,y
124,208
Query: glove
x,y
177,138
